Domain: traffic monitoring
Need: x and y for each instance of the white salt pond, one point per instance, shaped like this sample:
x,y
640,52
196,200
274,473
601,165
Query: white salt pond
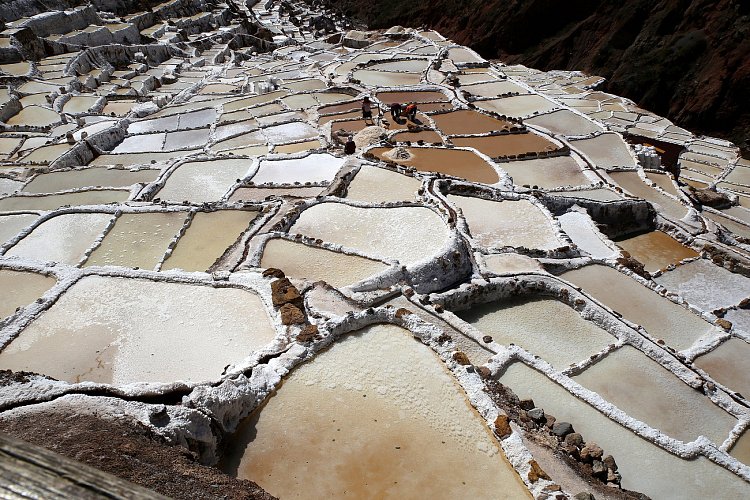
x,y
661,318
645,467
209,235
383,418
407,234
706,285
123,331
202,181
311,168
582,230
379,185
64,238
305,262
645,390
18,289
138,240
495,223
545,327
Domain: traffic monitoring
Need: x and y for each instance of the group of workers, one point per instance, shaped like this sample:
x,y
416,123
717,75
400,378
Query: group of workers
x,y
398,111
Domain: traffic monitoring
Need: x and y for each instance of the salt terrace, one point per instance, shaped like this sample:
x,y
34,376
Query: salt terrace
x,y
509,283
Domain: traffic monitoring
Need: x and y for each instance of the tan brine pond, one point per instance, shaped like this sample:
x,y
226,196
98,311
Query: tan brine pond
x,y
467,121
64,238
379,185
496,223
138,240
544,327
656,250
89,177
18,289
382,419
456,162
546,173
122,331
55,201
645,467
645,390
310,263
209,235
407,234
661,318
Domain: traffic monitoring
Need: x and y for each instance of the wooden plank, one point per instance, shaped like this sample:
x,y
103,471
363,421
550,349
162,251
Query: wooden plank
x,y
30,471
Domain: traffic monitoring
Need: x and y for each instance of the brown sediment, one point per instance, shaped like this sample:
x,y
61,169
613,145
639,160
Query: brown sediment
x,y
131,452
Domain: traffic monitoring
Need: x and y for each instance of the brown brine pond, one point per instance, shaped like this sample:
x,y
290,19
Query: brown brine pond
x,y
656,250
381,418
456,162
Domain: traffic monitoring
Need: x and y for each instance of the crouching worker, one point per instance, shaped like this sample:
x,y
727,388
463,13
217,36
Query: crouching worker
x,y
350,147
411,112
395,112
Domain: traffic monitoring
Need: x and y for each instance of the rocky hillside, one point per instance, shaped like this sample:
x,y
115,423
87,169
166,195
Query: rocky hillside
x,y
688,60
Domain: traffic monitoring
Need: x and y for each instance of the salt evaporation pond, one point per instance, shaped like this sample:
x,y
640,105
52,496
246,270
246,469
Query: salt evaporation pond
x,y
565,122
55,201
18,289
89,177
546,173
495,223
645,467
511,263
123,331
606,151
519,106
64,238
11,225
379,185
544,327
456,162
729,364
631,182
138,240
650,393
310,263
311,168
407,234
656,250
662,318
202,181
383,418
507,145
209,235
584,233
706,285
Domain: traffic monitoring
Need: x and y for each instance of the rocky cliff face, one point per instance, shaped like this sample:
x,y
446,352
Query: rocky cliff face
x,y
688,60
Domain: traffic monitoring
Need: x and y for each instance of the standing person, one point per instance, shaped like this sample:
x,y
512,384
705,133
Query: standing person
x,y
367,110
395,112
411,111
350,147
